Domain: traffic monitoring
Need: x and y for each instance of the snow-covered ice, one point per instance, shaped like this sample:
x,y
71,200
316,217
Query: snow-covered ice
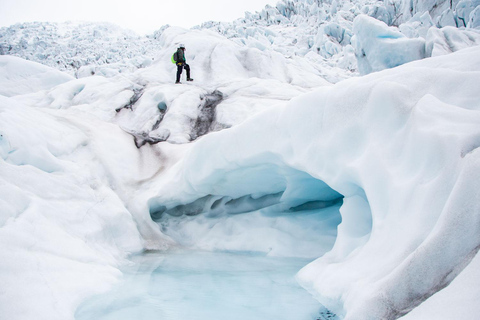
x,y
319,31
277,150
381,47
20,77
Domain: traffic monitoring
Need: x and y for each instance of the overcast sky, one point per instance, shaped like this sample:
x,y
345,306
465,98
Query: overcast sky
x,y
142,16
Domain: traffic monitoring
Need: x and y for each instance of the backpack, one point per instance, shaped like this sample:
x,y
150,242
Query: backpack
x,y
175,57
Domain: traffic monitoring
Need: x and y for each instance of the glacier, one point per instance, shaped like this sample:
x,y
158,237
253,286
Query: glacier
x,y
339,138
321,32
398,145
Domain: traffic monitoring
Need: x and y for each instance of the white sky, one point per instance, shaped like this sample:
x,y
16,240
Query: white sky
x,y
142,16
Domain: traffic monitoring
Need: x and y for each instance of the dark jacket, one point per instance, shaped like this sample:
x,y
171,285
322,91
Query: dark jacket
x,y
181,56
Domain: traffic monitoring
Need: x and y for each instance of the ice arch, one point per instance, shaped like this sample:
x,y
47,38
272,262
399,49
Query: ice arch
x,y
401,139
290,213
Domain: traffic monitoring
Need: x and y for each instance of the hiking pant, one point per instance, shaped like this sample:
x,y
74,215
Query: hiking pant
x,y
179,71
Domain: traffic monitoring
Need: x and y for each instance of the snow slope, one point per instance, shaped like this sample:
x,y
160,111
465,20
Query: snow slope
x,y
19,77
63,229
231,81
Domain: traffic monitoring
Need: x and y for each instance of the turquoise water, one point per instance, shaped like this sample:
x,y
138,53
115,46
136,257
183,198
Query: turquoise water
x,y
181,285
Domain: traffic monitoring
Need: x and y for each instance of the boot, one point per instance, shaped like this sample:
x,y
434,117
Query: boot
x,y
189,79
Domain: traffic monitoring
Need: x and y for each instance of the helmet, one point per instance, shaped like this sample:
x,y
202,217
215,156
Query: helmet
x,y
181,46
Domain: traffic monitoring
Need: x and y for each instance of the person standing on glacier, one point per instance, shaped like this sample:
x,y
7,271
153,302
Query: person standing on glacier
x,y
180,61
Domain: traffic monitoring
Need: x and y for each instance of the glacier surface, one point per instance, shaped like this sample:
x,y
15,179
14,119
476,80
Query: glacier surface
x,y
278,149
390,158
